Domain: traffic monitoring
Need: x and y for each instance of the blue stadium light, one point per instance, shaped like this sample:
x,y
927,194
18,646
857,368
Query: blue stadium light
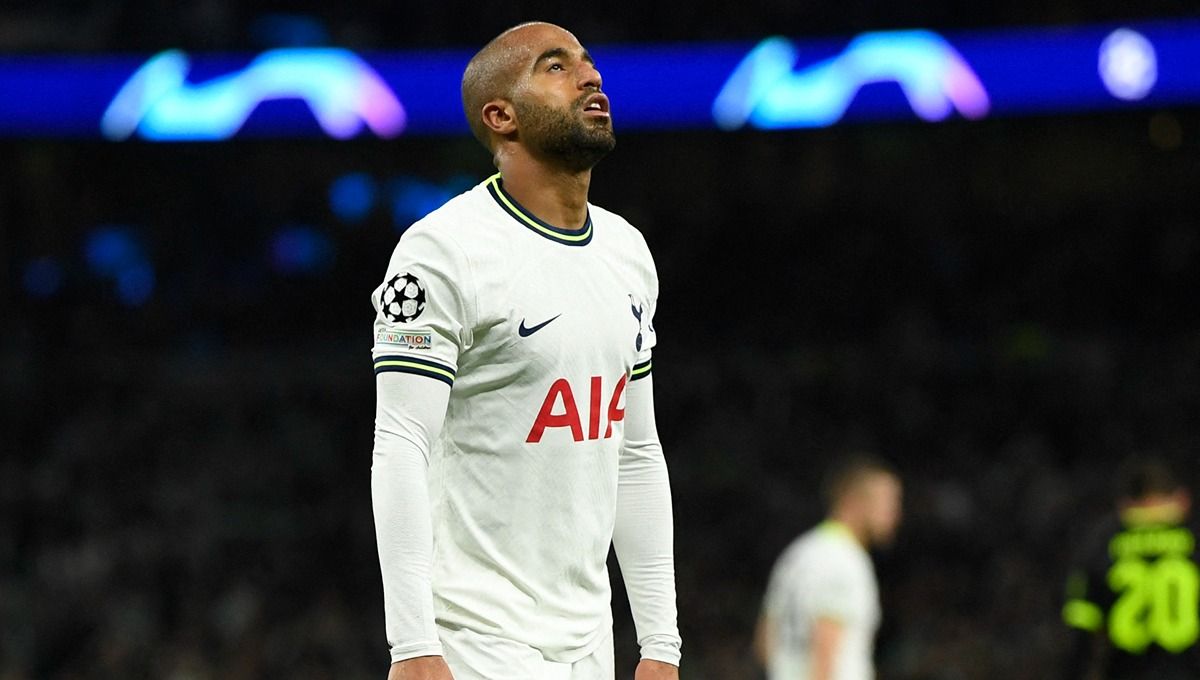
x,y
413,198
917,75
352,197
301,250
110,249
343,92
135,284
114,252
43,277
765,92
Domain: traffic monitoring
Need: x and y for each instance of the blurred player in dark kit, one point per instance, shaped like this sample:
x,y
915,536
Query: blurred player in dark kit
x,y
1133,597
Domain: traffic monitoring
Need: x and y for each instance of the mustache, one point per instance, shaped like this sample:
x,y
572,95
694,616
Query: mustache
x,y
578,103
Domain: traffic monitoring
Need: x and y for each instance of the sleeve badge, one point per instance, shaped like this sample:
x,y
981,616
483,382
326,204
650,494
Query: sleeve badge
x,y
403,298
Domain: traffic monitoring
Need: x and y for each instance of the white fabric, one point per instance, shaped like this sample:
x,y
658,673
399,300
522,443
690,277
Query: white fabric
x,y
644,533
824,573
408,417
473,656
521,516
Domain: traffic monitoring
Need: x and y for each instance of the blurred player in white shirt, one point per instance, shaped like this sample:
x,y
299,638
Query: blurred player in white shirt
x,y
514,435
821,609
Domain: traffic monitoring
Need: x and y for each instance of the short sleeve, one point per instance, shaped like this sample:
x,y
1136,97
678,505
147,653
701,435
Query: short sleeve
x,y
832,591
424,307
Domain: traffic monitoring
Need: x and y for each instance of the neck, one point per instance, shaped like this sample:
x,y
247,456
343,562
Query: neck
x,y
850,522
555,195
1153,512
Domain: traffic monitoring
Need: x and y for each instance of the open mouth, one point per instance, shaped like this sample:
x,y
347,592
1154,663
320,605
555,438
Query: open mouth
x,y
596,105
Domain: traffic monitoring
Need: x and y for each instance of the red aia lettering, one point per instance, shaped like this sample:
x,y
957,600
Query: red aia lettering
x,y
568,416
615,412
594,420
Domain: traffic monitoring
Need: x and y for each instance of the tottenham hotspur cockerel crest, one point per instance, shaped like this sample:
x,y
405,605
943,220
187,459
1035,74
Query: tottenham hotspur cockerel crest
x,y
403,298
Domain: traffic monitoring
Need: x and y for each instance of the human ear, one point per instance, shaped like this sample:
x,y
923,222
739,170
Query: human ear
x,y
499,117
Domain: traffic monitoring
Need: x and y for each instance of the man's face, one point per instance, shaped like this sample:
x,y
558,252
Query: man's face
x,y
559,107
1170,506
883,496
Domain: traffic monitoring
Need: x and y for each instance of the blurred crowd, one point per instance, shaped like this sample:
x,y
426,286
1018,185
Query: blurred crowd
x,y
188,517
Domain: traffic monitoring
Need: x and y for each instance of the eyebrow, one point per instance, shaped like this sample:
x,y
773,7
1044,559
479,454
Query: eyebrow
x,y
555,52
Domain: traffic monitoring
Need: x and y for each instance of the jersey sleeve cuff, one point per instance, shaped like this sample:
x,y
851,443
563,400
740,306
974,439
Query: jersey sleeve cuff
x,y
666,651
641,370
414,649
423,367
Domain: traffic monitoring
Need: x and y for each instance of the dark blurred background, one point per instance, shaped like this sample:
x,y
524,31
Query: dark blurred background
x,y
1005,309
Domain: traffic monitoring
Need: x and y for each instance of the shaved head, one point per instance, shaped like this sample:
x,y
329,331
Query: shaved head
x,y
491,74
493,71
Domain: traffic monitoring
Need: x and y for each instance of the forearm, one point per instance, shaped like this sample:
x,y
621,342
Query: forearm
x,y
826,639
643,539
822,666
408,417
764,641
404,535
644,535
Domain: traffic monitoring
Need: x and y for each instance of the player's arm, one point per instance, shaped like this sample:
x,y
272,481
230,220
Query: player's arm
x,y
764,640
1085,600
644,535
423,320
832,594
1089,644
826,642
409,413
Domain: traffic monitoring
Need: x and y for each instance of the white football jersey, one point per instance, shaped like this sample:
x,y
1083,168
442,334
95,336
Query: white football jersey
x,y
823,573
538,330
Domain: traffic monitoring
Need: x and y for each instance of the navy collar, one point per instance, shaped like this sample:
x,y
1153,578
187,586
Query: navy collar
x,y
569,237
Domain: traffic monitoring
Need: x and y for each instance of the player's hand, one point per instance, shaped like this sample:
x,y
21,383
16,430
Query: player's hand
x,y
421,668
655,670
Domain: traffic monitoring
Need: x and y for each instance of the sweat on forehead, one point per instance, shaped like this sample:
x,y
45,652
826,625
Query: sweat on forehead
x,y
513,50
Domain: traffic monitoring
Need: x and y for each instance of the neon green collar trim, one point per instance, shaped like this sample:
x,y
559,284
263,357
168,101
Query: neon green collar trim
x,y
835,527
570,237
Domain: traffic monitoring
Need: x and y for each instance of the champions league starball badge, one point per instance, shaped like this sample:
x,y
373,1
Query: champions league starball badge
x,y
403,298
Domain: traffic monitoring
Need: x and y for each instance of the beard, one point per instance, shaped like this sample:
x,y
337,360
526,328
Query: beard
x,y
565,135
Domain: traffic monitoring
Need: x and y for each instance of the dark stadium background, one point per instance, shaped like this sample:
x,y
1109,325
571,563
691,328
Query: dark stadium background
x,y
1005,309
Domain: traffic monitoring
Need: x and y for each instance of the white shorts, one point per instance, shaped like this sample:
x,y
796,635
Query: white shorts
x,y
472,656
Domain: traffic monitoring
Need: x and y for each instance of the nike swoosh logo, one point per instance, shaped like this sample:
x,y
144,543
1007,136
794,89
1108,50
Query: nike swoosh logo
x,y
525,332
